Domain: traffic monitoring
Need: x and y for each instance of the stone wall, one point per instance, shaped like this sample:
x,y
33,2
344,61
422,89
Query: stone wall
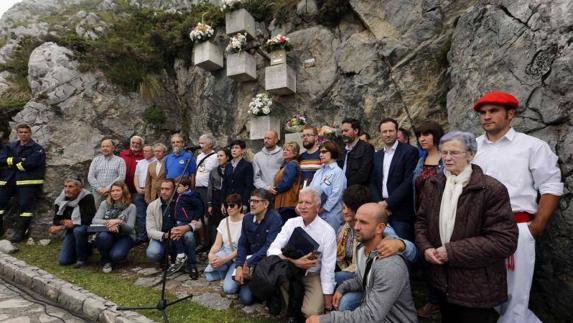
x,y
408,59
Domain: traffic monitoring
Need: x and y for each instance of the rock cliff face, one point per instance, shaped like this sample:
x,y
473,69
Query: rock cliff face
x,y
408,59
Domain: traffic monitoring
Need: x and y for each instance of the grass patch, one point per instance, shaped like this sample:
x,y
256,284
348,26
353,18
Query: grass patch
x,y
121,290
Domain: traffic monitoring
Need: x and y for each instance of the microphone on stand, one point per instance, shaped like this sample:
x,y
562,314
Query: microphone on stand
x,y
192,147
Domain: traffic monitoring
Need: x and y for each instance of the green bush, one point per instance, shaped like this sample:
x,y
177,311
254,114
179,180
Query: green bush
x,y
154,116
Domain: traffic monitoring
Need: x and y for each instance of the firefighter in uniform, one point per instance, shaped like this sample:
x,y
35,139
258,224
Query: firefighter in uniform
x,y
23,164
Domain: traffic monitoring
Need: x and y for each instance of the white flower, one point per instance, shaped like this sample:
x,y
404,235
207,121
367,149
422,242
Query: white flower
x,y
201,32
260,104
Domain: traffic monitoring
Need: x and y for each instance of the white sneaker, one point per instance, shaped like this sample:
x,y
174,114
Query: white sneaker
x,y
107,268
179,263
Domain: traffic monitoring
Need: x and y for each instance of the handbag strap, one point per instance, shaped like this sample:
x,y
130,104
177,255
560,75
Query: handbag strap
x,y
203,160
229,234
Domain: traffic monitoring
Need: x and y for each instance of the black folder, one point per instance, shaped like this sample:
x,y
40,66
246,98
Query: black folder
x,y
302,242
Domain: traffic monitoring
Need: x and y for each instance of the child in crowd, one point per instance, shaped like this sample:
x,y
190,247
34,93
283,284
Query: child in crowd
x,y
188,211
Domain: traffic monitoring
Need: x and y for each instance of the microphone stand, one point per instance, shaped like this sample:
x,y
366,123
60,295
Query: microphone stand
x,y
163,304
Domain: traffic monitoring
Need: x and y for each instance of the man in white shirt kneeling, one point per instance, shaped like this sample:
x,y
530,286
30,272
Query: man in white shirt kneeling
x,y
319,280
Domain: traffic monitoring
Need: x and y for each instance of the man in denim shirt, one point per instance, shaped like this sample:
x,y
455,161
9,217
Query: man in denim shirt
x,y
259,229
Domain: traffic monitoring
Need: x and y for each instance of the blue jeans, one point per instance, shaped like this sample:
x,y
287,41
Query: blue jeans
x,y
75,246
113,247
155,250
404,229
351,300
141,208
224,272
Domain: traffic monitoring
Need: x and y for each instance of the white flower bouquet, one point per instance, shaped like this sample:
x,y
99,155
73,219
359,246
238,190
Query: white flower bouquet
x,y
237,43
278,42
260,105
202,32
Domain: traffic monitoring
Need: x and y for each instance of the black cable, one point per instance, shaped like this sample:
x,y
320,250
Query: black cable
x,y
35,300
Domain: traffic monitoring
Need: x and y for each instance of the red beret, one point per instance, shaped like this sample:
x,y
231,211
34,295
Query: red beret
x,y
498,98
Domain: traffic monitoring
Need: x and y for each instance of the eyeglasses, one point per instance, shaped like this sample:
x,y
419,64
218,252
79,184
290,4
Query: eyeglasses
x,y
453,154
231,206
255,201
324,151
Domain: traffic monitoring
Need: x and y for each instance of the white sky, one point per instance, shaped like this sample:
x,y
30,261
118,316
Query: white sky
x,y
6,4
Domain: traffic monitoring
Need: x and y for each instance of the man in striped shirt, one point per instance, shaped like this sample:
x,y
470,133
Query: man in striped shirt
x,y
310,159
105,169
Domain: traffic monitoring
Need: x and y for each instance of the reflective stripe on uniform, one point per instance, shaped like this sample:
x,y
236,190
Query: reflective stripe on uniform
x,y
9,161
2,183
30,182
26,214
20,167
1,212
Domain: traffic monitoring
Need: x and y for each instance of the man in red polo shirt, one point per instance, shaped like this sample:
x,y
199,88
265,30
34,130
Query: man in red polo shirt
x,y
527,167
131,156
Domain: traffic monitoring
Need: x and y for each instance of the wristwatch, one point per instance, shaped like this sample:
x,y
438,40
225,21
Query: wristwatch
x,y
190,227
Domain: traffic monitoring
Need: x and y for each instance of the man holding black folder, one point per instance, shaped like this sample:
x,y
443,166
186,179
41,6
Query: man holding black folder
x,y
320,263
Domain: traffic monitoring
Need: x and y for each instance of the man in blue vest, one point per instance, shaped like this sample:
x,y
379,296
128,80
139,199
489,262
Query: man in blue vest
x,y
24,163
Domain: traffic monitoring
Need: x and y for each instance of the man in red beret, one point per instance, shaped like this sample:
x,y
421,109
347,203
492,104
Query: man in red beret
x,y
526,166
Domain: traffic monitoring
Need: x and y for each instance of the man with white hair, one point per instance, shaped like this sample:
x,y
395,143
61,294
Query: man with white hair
x,y
139,179
206,161
319,265
131,157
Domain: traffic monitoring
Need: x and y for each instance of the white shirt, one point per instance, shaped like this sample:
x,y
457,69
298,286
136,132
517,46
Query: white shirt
x,y
524,164
141,170
158,167
388,155
235,228
202,175
322,233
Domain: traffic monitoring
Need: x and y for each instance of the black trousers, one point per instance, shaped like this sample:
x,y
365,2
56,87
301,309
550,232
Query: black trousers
x,y
452,313
28,196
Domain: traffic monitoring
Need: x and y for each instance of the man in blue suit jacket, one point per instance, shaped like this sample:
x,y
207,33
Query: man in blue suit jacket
x,y
391,179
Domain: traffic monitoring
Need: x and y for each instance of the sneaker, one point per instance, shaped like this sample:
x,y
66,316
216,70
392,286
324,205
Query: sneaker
x,y
175,267
428,310
194,273
80,264
106,269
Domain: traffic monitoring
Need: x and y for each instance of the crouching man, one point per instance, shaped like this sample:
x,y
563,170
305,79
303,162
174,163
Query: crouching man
x,y
319,266
384,281
74,211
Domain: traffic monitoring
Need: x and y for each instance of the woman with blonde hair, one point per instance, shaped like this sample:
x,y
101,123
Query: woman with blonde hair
x,y
287,182
117,213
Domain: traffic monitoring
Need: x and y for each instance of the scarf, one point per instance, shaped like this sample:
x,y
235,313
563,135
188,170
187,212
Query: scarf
x,y
449,205
62,203
342,245
114,211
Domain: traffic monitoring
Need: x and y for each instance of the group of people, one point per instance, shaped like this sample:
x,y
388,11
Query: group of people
x,y
466,210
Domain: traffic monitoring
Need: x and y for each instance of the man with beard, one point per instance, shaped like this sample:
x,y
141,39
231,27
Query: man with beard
x,y
310,159
176,161
384,281
358,154
268,161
